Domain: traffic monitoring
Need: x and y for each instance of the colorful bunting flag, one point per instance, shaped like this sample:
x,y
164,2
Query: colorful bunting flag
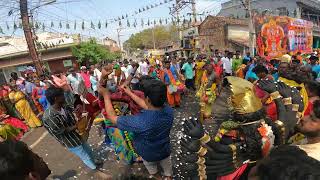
x,y
99,25
92,25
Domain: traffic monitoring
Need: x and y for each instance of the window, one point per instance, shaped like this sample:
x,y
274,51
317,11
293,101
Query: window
x,y
283,11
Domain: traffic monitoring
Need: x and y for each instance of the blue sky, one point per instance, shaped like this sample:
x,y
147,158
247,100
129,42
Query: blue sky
x,y
95,11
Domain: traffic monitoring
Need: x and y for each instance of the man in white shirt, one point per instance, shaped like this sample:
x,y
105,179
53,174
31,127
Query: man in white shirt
x,y
126,68
143,68
74,79
227,64
96,72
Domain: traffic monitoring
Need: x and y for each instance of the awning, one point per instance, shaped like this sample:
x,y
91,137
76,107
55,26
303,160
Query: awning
x,y
240,42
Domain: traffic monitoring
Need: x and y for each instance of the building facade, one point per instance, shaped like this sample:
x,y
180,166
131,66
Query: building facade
x,y
55,53
223,33
303,9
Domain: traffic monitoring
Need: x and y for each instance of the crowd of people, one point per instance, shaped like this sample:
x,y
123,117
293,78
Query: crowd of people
x,y
137,99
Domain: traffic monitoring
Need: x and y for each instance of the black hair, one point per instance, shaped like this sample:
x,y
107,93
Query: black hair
x,y
314,87
53,92
288,163
316,108
260,69
155,90
313,58
16,160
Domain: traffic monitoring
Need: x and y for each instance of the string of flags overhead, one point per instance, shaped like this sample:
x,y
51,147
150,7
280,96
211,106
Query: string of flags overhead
x,y
184,20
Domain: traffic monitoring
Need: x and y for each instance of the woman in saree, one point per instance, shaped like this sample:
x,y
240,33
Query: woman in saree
x,y
9,106
173,96
199,72
18,98
39,97
207,92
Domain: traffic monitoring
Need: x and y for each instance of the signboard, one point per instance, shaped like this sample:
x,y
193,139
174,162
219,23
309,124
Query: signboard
x,y
278,35
67,63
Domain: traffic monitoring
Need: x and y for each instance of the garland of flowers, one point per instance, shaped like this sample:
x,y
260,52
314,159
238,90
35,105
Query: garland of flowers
x,y
130,143
268,138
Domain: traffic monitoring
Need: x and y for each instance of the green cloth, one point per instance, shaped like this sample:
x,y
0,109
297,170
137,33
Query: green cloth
x,y
236,63
8,132
188,70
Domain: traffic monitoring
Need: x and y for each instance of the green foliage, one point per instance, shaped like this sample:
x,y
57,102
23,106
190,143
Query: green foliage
x,y
93,52
163,35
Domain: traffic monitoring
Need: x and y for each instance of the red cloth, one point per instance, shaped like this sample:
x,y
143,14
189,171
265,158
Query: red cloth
x,y
218,68
86,78
90,108
17,123
235,175
309,109
123,97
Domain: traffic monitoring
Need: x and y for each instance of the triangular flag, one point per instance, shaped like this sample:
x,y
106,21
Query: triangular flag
x,y
139,10
128,23
67,26
52,25
1,30
106,23
148,22
120,24
151,6
154,22
43,27
99,25
15,26
92,25
75,25
37,25
7,26
122,17
148,7
60,25
82,25
143,9
142,23
165,1
160,21
166,20
126,15
200,19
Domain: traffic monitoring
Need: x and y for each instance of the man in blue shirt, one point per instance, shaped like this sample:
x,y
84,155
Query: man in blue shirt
x,y
151,127
315,67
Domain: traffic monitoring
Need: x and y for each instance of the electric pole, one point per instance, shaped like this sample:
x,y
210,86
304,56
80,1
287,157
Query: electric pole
x,y
194,12
153,39
119,40
252,35
29,37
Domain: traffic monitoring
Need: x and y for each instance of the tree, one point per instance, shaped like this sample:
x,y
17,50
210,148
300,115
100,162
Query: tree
x,y
164,35
92,53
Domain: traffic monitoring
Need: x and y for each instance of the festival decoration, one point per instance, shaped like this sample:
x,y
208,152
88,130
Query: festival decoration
x,y
92,25
277,35
99,25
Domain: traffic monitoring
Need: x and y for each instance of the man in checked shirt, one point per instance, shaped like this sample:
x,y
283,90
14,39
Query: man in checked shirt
x,y
61,124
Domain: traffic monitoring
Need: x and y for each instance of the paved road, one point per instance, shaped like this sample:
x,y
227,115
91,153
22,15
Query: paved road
x,y
65,165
